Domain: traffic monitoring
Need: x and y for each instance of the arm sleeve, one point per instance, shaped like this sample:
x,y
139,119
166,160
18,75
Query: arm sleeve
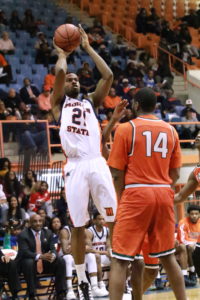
x,y
118,157
176,154
24,249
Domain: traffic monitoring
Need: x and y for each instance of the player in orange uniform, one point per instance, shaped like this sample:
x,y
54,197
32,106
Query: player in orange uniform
x,y
189,188
145,160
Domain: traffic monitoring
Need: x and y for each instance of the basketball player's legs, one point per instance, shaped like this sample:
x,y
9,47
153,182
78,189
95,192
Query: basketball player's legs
x,y
196,259
137,278
103,192
69,262
163,248
77,195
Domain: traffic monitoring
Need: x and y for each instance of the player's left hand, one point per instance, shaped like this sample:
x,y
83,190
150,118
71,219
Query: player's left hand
x,y
84,38
120,110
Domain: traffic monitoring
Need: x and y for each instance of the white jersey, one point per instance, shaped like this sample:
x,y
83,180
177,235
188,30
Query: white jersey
x,y
79,131
99,238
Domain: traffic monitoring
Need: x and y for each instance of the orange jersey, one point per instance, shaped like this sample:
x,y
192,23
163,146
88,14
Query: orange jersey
x,y
146,148
188,232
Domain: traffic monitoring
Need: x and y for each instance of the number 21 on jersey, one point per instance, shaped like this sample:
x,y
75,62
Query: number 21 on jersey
x,y
160,144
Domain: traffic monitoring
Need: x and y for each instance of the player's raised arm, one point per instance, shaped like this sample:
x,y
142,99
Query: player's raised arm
x,y
105,82
58,89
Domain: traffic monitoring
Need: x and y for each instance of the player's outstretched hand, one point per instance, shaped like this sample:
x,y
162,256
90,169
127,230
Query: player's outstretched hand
x,y
60,51
84,38
120,110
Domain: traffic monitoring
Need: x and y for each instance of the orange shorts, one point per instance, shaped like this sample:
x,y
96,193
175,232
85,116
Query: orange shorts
x,y
144,210
150,262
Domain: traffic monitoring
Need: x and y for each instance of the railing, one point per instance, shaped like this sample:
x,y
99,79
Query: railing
x,y
172,60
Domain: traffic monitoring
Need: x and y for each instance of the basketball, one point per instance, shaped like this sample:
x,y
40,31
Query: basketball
x,y
67,37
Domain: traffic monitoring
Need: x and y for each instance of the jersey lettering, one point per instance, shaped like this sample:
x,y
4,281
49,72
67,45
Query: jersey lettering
x,y
159,146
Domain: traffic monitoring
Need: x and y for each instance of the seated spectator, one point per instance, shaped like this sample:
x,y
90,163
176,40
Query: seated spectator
x,y
8,269
29,92
13,100
3,111
130,95
43,50
188,105
55,227
97,28
112,99
43,100
3,206
116,69
49,79
148,79
186,40
141,21
5,166
5,70
46,220
189,131
37,254
15,215
188,233
15,23
61,207
41,199
87,83
191,19
29,23
123,88
3,21
105,53
6,44
28,182
134,73
119,47
11,184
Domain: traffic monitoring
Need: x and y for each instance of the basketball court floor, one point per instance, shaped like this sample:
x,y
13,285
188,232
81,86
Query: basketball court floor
x,y
192,294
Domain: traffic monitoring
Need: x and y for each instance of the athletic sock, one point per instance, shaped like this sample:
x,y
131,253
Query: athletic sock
x,y
101,284
80,270
69,284
93,280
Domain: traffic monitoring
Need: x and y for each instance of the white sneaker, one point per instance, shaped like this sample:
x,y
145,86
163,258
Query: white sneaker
x,y
84,291
104,290
97,292
70,295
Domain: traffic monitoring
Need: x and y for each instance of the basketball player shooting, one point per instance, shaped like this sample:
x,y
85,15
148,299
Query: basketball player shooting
x,y
86,171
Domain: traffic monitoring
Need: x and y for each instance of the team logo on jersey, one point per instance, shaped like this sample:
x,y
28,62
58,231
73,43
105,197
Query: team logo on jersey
x,y
109,211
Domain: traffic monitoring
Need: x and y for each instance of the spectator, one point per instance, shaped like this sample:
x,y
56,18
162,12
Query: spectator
x,y
191,19
43,50
15,215
12,185
29,23
188,105
49,79
189,131
13,100
55,227
130,95
188,233
124,88
44,103
3,21
116,69
148,79
15,23
186,40
41,199
37,254
134,74
46,220
141,21
61,207
3,111
5,70
5,166
86,79
112,99
3,206
29,93
105,54
6,44
28,183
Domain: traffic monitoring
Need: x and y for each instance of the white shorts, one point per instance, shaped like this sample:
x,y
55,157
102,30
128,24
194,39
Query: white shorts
x,y
105,260
85,177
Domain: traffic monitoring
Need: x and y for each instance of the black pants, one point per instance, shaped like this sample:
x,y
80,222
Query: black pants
x,y
196,260
57,268
9,271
